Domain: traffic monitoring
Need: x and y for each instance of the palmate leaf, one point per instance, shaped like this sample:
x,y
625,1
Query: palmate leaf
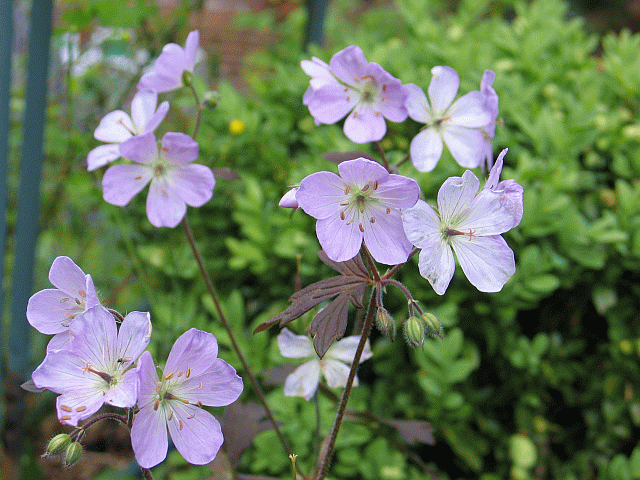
x,y
328,325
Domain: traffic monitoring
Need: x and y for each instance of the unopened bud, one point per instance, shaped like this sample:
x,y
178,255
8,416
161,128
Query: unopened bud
x,y
414,331
72,454
187,78
386,323
57,445
432,325
210,99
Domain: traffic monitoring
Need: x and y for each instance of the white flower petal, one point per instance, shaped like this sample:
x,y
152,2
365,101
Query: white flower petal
x,y
335,372
455,196
426,149
436,264
303,382
295,346
488,262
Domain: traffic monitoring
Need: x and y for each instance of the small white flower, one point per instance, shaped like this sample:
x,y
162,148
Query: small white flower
x,y
335,364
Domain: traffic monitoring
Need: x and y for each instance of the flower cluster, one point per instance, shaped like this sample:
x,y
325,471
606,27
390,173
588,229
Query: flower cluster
x,y
102,362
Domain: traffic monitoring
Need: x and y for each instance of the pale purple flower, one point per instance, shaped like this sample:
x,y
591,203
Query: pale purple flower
x,y
349,85
470,223
95,368
193,376
118,126
288,200
491,101
175,181
456,123
169,67
335,364
363,203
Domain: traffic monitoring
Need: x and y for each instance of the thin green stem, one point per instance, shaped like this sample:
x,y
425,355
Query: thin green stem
x,y
199,107
404,159
234,343
323,463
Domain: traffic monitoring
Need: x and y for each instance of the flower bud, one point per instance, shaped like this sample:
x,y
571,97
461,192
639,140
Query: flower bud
x,y
210,100
386,323
414,331
432,325
57,445
187,78
72,454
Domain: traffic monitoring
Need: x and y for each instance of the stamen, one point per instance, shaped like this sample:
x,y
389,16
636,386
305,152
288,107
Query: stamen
x,y
78,302
181,425
170,415
342,215
180,374
137,177
384,87
69,315
200,385
156,404
347,189
345,203
82,293
188,372
164,192
372,219
388,210
375,185
164,149
65,299
169,376
65,417
191,416
66,408
361,228
81,408
365,188
199,403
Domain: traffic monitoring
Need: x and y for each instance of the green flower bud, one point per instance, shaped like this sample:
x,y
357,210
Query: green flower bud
x,y
57,445
187,78
414,331
432,324
210,100
72,454
386,323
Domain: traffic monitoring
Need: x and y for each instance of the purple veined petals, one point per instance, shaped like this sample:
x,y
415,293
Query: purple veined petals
x,y
469,111
421,224
345,350
195,433
496,170
60,341
133,336
393,106
171,63
193,184
385,238
101,155
488,262
398,191
348,64
443,88
92,297
456,194
361,171
158,83
308,95
465,144
336,373
149,436
147,379
191,49
126,393
157,117
289,200
115,127
364,125
49,312
62,371
488,214
164,207
179,148
491,100
121,183
195,350
327,185
318,71
416,103
330,103
303,382
512,198
426,149
94,334
436,264
339,240
68,277
143,106
295,346
140,148
218,387
78,405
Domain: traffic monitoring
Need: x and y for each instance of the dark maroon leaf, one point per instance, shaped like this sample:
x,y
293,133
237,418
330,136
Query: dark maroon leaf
x,y
225,173
412,431
339,157
242,422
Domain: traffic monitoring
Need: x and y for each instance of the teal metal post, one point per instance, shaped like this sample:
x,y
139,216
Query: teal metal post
x,y
315,23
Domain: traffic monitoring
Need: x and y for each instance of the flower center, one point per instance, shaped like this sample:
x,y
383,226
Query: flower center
x,y
359,204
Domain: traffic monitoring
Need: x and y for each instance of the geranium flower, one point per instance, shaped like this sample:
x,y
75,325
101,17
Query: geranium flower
x,y
490,100
335,364
95,368
116,127
469,224
457,123
192,377
364,202
169,67
512,192
350,84
175,181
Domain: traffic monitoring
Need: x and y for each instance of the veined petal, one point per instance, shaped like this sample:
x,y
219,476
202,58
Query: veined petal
x,y
289,200
78,405
194,351
122,182
417,104
92,297
149,436
133,337
295,346
491,213
164,207
171,63
320,194
147,379
391,101
217,387
179,148
512,198
360,171
192,183
331,102
398,191
426,149
115,127
94,338
469,111
158,83
100,156
140,148
436,264
344,350
125,393
68,277
340,240
335,372
64,371
318,71
60,341
304,380
157,117
195,432
191,49
443,88
421,224
364,125
456,194
494,175
385,237
49,311
349,64
143,106
467,145
488,262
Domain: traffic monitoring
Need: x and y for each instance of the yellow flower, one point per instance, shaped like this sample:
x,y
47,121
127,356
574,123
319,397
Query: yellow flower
x,y
236,127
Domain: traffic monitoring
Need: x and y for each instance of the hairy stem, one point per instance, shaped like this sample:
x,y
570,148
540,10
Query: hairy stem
x,y
323,463
234,343
382,155
393,271
199,107
146,473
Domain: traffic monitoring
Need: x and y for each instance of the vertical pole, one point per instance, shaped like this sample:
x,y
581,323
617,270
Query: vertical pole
x,y
315,23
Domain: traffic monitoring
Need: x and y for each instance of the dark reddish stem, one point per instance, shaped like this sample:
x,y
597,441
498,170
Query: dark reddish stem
x,y
382,156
